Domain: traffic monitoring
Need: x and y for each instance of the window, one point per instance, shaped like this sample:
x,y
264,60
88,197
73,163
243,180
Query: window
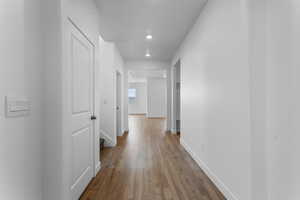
x,y
132,93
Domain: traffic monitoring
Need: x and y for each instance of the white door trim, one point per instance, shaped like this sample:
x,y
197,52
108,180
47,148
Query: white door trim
x,y
118,73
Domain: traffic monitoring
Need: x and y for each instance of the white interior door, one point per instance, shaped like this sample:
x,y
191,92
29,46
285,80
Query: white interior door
x,y
81,105
119,105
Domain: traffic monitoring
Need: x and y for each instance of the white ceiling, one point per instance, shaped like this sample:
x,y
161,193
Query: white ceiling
x,y
127,22
142,75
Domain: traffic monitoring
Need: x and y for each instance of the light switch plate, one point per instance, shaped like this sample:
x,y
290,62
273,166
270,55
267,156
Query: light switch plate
x,y
17,107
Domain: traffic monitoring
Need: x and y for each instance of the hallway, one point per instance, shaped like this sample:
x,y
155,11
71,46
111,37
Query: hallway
x,y
78,76
149,164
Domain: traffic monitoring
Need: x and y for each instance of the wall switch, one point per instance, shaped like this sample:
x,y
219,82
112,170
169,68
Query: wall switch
x,y
17,107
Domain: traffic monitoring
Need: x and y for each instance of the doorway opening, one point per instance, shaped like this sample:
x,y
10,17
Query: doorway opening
x,y
176,110
118,104
147,95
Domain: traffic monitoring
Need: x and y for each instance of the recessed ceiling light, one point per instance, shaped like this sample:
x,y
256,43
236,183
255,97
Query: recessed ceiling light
x,y
148,55
149,37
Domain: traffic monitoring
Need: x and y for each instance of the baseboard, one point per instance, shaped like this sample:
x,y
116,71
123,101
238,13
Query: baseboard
x,y
173,131
139,114
97,168
156,117
108,140
123,133
219,184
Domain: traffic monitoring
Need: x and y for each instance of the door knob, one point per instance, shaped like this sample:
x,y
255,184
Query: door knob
x,y
93,117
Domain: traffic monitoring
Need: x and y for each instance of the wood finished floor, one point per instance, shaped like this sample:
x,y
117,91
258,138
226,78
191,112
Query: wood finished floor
x,y
149,164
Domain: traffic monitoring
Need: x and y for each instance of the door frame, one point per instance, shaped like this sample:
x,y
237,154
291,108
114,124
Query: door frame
x,y
116,74
66,124
175,68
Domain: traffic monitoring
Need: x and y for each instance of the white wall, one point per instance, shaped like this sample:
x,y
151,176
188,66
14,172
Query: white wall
x,y
34,131
156,97
106,91
12,83
110,62
216,95
138,105
275,100
271,36
52,141
257,58
283,107
146,65
119,66
20,76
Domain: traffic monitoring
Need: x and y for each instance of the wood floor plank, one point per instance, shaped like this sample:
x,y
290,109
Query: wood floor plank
x,y
149,164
